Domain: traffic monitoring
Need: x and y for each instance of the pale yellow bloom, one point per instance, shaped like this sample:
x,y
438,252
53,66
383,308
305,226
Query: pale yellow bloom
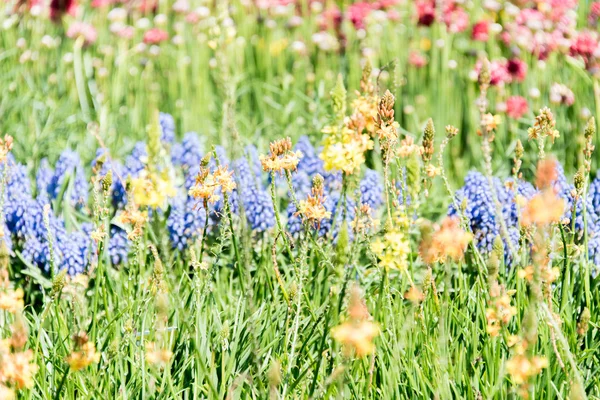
x,y
12,300
156,356
208,184
544,208
285,162
499,314
414,295
366,106
152,190
356,335
448,241
18,369
521,367
6,393
85,356
408,147
343,149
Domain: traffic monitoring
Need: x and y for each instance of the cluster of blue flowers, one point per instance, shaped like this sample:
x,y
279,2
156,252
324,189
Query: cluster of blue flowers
x,y
25,229
59,244
476,198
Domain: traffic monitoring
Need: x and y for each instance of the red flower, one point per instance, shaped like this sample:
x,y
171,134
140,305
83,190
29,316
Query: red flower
x,y
481,31
155,36
516,107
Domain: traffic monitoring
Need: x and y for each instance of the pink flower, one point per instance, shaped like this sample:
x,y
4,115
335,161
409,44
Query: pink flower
x,y
425,12
358,13
417,59
126,32
102,3
380,4
393,15
516,107
330,18
594,13
155,36
584,45
517,69
561,94
146,6
456,20
78,28
481,31
192,17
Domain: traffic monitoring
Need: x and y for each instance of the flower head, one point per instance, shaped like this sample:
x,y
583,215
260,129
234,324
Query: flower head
x,y
84,353
357,333
448,241
209,185
281,158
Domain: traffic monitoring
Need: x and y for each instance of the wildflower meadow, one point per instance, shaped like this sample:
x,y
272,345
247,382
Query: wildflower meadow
x,y
299,199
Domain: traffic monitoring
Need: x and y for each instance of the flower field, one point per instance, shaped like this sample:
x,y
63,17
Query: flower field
x,y
299,199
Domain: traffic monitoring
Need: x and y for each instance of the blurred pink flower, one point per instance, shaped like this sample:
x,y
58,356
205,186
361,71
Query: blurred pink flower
x,y
126,32
330,18
584,45
393,15
78,28
102,3
517,69
266,4
481,31
594,13
561,94
417,59
155,36
379,4
147,6
192,17
425,12
456,19
358,13
516,107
